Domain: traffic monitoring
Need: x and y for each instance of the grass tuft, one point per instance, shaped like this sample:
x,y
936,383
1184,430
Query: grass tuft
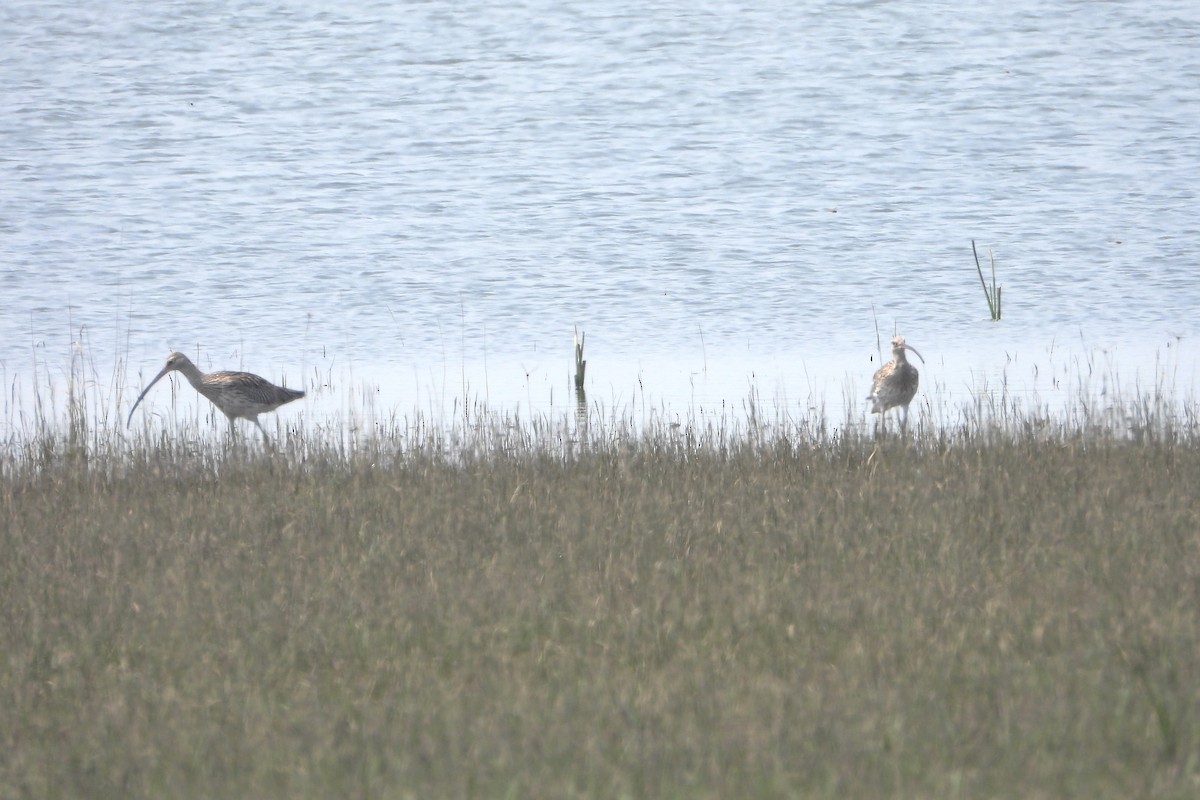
x,y
992,295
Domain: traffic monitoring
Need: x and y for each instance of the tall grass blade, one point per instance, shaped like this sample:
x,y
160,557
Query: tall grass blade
x,y
992,295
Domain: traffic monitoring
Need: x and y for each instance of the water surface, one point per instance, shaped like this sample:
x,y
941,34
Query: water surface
x,y
427,198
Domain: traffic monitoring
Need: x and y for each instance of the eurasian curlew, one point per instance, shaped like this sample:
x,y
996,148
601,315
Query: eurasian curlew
x,y
237,394
895,383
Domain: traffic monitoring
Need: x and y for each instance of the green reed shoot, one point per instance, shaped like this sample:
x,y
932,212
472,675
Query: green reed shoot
x,y
993,294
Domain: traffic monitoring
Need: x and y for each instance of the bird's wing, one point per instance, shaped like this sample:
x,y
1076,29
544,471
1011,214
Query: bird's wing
x,y
247,379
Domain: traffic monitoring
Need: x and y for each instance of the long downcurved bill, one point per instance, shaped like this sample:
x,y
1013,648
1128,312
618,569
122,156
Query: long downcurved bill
x,y
906,347
157,377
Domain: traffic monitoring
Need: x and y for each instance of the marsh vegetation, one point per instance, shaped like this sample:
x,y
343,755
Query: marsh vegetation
x,y
1001,606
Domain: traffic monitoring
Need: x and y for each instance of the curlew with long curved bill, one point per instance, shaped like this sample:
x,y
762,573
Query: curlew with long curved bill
x,y
237,394
895,383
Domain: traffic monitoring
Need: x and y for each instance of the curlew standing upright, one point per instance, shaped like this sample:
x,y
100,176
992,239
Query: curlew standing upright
x,y
895,383
237,394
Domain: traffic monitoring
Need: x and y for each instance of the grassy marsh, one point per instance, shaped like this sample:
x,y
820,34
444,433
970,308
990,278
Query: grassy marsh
x,y
1006,606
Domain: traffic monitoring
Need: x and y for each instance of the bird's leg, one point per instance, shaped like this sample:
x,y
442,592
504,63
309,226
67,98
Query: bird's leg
x,y
266,439
235,438
903,419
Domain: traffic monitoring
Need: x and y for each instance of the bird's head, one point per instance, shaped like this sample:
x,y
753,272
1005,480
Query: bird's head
x,y
175,362
899,346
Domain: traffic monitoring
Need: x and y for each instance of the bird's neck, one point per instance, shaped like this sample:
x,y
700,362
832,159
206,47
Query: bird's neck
x,y
193,374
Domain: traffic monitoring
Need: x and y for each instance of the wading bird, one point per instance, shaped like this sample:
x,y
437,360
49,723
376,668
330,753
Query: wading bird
x,y
895,383
237,394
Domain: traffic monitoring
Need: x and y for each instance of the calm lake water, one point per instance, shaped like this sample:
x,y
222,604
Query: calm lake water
x,y
417,203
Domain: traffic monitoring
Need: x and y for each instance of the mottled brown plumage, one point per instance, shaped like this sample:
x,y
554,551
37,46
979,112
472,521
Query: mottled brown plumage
x,y
237,394
895,383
